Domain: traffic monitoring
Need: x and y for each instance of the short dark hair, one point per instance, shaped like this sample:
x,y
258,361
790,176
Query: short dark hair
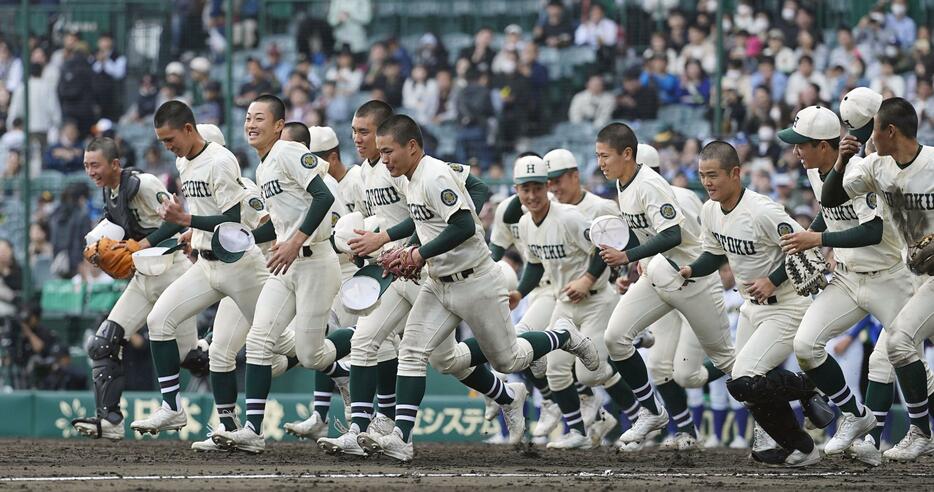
x,y
898,112
402,129
806,58
619,136
298,132
378,110
275,104
106,145
175,114
722,152
834,143
528,153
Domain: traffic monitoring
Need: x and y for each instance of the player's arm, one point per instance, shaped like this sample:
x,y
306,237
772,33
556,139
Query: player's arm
x,y
532,275
459,229
479,192
177,219
833,193
634,251
704,265
664,216
513,211
264,233
496,251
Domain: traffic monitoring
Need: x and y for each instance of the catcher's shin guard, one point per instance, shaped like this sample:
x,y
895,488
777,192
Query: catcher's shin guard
x,y
104,349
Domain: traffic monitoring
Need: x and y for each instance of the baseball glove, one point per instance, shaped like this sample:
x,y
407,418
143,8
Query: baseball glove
x,y
113,257
399,262
921,256
806,270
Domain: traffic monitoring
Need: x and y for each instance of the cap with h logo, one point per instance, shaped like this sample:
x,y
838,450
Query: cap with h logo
x,y
560,161
530,169
811,124
858,108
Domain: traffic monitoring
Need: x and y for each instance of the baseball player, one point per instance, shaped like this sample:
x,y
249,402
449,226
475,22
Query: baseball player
x,y
461,285
899,172
304,267
744,228
131,201
657,225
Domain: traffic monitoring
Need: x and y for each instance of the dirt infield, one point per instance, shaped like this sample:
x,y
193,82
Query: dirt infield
x,y
170,465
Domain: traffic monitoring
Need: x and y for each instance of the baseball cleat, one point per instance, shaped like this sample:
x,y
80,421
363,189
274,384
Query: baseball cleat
x,y
310,428
711,442
391,445
514,413
490,408
163,419
590,406
243,439
680,441
864,450
851,428
578,345
208,444
631,447
382,425
798,459
539,367
343,386
914,444
97,428
600,428
738,442
346,443
762,441
572,440
548,419
645,423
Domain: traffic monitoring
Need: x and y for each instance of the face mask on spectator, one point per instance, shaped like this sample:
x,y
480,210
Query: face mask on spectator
x,y
898,9
788,14
727,25
760,25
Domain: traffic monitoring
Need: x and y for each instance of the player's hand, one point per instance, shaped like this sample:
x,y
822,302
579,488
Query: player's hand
x,y
760,289
172,211
622,284
283,255
849,146
841,346
185,239
367,242
612,256
797,242
578,289
686,271
514,298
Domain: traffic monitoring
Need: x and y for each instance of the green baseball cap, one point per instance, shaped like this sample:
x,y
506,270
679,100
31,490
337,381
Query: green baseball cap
x,y
530,169
560,161
231,240
361,293
811,124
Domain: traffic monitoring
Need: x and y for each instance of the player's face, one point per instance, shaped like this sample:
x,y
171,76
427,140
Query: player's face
x,y
533,196
610,160
565,186
100,171
178,141
883,138
808,154
720,184
261,127
364,136
396,157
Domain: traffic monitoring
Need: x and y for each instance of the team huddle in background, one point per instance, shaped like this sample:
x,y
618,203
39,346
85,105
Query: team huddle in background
x,y
280,256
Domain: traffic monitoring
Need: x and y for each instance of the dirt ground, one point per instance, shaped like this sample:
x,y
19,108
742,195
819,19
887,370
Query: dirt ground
x,y
170,465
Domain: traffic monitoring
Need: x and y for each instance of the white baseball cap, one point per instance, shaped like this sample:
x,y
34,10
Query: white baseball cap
x,y
175,68
323,138
560,161
530,169
857,108
647,156
200,64
211,133
812,123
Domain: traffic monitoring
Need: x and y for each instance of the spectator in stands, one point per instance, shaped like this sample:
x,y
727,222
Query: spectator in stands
x,y
431,53
537,75
420,95
336,108
314,39
298,105
200,70
874,39
347,78
391,82
146,98
786,22
480,54
376,60
658,43
656,75
11,279
11,67
845,53
888,79
677,30
600,33
4,109
766,75
446,107
153,163
474,108
767,146
592,105
13,164
636,101
45,113
782,55
899,23
66,156
76,90
349,19
762,111
212,108
808,45
398,53
517,107
68,225
257,84
109,73
698,48
279,68
804,76
695,85
554,29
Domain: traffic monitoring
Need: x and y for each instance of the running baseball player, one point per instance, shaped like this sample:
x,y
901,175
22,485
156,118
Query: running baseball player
x,y
304,267
461,285
131,201
900,172
657,225
744,228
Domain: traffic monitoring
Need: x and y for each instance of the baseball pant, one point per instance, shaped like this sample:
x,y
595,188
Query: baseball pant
x,y
913,325
139,297
305,294
376,338
541,304
701,302
590,316
226,342
766,332
439,308
676,354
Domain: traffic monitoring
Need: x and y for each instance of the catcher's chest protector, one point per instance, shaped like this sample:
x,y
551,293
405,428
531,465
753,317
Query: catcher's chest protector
x,y
117,210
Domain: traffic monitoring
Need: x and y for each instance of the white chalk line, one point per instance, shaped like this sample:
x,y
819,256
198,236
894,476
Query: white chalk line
x,y
317,476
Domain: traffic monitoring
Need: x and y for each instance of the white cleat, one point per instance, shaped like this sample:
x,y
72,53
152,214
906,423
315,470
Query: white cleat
x,y
635,446
914,444
864,450
548,419
711,442
572,440
346,443
851,429
797,459
243,439
99,428
163,419
391,445
762,441
590,406
208,445
514,413
681,441
739,442
343,386
381,425
600,428
578,345
646,423
490,408
310,428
